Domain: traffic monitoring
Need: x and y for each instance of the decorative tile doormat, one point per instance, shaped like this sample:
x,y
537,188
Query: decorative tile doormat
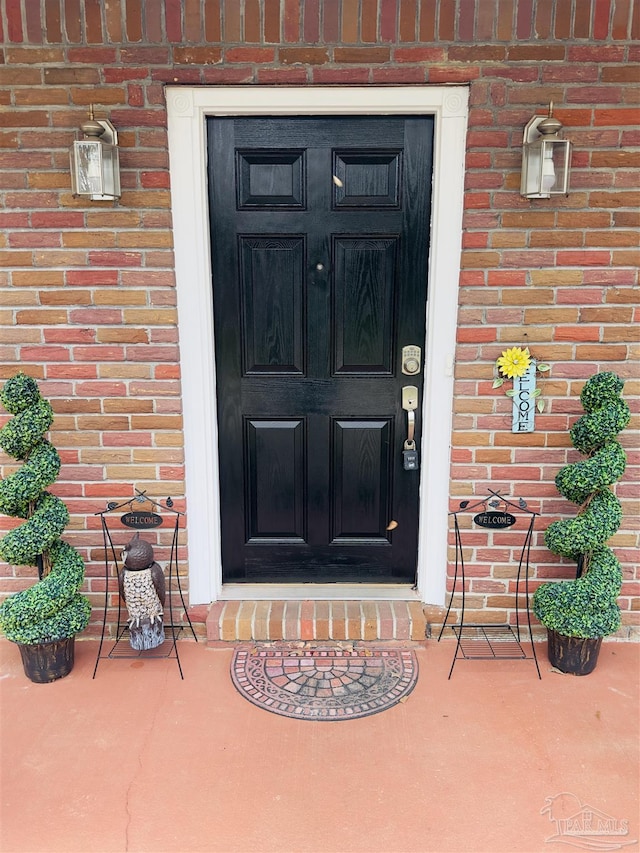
x,y
324,683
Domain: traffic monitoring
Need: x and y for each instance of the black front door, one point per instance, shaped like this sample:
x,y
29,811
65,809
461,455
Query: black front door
x,y
320,240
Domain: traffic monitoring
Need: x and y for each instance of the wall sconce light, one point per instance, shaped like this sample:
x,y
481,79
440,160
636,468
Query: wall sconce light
x,y
95,161
546,158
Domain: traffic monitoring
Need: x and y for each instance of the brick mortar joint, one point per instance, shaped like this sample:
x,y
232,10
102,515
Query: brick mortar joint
x,y
120,51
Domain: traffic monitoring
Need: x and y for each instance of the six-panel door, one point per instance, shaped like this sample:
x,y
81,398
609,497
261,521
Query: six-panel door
x,y
319,239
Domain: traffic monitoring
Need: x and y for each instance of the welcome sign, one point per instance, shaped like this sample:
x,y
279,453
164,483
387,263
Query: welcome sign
x,y
494,520
141,520
524,400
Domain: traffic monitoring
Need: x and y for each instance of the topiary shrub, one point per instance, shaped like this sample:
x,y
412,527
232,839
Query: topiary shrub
x,y
586,606
52,609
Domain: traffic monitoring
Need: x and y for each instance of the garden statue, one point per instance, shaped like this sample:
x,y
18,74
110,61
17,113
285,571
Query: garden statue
x,y
142,588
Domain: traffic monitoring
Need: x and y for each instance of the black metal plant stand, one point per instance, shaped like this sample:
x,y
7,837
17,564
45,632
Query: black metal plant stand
x,y
481,641
169,649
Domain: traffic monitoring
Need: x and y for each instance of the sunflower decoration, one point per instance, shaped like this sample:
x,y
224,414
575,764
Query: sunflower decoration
x,y
513,364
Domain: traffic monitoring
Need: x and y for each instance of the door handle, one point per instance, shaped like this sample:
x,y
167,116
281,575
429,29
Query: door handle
x,y
411,428
410,404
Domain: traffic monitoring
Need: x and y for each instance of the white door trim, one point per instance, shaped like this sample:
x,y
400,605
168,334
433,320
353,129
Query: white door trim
x,y
187,109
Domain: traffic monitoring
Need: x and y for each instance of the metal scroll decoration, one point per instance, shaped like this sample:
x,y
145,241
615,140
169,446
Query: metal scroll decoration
x,y
141,582
485,640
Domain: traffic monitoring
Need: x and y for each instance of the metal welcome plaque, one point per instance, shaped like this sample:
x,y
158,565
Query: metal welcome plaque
x,y
524,400
494,520
141,520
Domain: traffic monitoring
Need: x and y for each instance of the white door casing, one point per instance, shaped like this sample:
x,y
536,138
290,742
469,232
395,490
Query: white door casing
x,y
188,108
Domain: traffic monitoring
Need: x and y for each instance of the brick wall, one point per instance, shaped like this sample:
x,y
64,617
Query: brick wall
x,y
88,300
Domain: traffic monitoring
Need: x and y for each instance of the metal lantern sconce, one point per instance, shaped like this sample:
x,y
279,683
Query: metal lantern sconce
x,y
95,161
546,158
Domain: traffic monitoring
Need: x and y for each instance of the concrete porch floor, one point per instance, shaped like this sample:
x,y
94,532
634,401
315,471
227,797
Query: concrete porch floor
x,y
138,760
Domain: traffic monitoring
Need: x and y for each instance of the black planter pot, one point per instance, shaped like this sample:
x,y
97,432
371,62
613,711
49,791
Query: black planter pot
x,y
45,662
573,655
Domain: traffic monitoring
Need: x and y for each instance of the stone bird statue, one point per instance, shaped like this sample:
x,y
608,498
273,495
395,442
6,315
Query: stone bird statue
x,y
142,587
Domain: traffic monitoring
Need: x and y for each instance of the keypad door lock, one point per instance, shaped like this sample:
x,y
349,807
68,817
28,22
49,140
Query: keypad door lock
x,y
411,360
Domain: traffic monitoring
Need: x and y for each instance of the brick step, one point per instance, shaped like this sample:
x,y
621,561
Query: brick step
x,y
231,621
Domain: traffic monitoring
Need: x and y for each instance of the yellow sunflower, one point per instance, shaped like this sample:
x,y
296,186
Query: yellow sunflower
x,y
514,362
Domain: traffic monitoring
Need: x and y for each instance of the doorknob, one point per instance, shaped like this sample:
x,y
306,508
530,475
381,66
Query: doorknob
x,y
410,404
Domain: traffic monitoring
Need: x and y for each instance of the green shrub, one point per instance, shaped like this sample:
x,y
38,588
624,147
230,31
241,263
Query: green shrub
x,y
52,609
587,606
583,607
594,526
576,482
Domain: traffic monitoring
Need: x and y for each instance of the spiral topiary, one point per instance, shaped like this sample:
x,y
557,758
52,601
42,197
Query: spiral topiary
x,y
586,606
52,609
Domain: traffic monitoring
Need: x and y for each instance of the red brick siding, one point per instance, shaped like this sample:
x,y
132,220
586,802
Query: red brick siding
x,y
88,299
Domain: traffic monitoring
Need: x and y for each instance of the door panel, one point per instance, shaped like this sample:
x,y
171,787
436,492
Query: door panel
x,y
271,284
270,179
319,238
361,493
275,488
367,179
363,295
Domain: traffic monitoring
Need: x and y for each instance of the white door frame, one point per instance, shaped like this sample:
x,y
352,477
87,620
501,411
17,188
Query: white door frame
x,y
187,109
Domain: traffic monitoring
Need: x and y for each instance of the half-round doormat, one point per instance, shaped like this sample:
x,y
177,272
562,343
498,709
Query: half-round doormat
x,y
324,683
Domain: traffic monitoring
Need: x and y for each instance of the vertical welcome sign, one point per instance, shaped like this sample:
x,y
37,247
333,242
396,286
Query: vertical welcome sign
x,y
524,400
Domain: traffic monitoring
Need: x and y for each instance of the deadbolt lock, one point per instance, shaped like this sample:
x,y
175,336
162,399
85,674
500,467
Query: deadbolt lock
x,y
411,360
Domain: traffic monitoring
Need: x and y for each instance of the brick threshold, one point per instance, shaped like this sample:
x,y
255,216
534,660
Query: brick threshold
x,y
234,621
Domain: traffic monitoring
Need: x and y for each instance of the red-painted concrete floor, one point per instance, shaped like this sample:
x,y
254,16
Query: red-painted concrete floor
x,y
493,760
